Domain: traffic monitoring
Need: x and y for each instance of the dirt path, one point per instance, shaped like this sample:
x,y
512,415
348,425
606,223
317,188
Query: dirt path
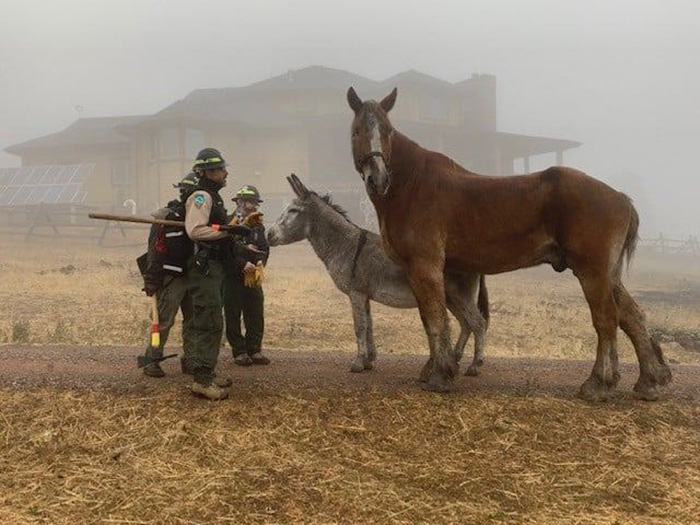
x,y
113,368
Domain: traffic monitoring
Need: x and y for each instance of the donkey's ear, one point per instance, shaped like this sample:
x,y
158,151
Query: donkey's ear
x,y
298,187
291,183
354,101
388,102
302,189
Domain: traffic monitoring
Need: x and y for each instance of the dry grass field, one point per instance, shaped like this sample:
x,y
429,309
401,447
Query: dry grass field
x,y
283,450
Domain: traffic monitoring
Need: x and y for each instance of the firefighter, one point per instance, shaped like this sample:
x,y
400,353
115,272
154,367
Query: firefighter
x,y
165,276
246,299
204,213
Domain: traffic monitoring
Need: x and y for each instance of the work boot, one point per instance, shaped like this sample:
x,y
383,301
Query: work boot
x,y
148,361
259,359
211,392
222,382
242,360
153,370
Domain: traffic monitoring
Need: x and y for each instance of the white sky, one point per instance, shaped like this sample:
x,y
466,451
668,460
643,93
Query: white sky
x,y
622,77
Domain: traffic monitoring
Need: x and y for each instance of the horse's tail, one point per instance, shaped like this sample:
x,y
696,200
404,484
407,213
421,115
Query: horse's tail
x,y
483,300
632,235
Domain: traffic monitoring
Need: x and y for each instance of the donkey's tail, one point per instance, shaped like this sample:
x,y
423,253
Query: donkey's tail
x,y
483,300
632,235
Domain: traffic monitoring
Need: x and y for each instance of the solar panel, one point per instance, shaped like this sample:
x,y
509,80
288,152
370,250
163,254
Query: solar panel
x,y
7,194
21,196
64,176
36,196
6,175
49,175
52,194
69,191
80,197
34,185
35,175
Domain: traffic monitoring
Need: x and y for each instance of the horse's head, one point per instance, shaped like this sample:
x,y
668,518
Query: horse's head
x,y
294,222
371,141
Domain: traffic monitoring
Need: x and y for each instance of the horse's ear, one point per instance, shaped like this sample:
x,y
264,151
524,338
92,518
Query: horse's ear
x,y
354,101
388,102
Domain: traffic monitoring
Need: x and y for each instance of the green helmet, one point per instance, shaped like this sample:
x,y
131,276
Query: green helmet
x,y
248,192
188,182
209,159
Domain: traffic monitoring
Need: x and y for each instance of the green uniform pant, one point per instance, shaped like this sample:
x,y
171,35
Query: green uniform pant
x,y
172,297
240,299
207,324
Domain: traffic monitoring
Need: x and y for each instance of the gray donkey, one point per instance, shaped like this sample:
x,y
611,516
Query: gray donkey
x,y
361,269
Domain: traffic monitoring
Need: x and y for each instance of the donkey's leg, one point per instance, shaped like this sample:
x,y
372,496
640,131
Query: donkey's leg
x,y
653,370
360,310
461,300
427,283
371,349
599,294
455,306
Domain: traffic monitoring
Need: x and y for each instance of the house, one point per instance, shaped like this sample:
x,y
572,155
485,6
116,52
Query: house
x,y
295,122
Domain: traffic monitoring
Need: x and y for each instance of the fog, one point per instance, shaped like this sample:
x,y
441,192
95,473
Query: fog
x,y
621,77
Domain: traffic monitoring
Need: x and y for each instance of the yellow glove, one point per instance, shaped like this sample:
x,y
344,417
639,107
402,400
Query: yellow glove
x,y
254,279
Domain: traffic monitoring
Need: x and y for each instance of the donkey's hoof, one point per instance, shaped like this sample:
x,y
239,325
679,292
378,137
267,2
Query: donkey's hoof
x,y
472,371
663,374
357,367
368,365
441,387
594,390
438,383
426,372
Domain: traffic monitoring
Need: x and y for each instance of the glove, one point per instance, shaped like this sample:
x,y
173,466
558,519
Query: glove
x,y
254,278
254,219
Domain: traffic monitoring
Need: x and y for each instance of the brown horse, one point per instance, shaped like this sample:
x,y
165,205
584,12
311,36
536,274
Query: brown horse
x,y
435,216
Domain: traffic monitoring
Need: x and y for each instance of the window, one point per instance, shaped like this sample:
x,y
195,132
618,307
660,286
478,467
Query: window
x,y
169,147
194,142
120,172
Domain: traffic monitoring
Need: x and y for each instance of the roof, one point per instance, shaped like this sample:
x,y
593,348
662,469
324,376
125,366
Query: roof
x,y
34,185
83,132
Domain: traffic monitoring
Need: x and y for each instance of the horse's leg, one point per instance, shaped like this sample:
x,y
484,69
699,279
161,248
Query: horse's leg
x,y
604,376
360,319
653,370
427,283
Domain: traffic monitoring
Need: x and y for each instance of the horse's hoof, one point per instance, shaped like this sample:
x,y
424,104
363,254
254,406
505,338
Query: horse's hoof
x,y
369,365
357,367
647,393
594,391
472,371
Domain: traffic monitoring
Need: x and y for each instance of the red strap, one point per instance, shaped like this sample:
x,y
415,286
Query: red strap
x,y
216,227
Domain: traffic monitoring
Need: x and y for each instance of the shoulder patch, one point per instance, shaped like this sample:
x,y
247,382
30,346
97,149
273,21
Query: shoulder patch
x,y
199,200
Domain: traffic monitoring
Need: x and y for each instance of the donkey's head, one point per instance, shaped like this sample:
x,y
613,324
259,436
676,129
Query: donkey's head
x,y
371,140
294,223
